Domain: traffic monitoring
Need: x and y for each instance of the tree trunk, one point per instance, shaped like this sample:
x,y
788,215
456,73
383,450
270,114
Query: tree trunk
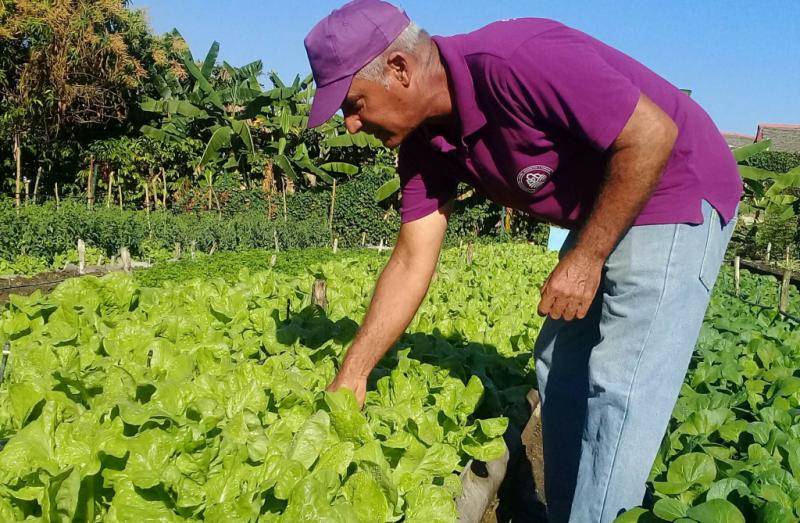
x,y
18,160
268,184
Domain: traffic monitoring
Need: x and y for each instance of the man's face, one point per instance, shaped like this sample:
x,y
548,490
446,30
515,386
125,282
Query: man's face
x,y
387,114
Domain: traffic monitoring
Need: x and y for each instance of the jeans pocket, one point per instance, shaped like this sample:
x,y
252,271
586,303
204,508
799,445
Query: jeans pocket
x,y
716,244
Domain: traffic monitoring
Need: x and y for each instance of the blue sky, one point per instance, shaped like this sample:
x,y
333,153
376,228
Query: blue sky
x,y
740,58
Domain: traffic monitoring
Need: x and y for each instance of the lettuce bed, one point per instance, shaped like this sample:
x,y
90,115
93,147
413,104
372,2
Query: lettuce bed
x,y
204,400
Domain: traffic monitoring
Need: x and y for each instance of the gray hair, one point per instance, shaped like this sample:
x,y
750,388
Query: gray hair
x,y
411,40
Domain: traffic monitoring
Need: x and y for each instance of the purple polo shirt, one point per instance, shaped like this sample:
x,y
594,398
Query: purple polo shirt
x,y
539,105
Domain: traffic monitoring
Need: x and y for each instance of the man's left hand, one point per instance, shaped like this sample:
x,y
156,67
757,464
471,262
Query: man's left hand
x,y
571,287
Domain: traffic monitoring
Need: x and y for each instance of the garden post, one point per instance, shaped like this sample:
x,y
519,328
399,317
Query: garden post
x,y
36,183
18,161
319,294
90,184
333,204
81,256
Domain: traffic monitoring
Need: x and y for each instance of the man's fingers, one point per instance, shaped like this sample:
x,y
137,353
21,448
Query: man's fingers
x,y
571,309
557,309
583,309
546,303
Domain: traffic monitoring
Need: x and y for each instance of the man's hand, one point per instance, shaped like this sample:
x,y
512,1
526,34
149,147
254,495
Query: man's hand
x,y
571,287
357,384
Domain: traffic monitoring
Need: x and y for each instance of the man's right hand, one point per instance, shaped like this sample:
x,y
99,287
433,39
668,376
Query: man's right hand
x,y
398,293
357,384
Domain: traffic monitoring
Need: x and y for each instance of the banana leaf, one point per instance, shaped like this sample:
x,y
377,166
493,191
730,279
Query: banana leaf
x,y
308,165
285,166
211,59
340,167
754,173
203,83
746,151
387,189
243,130
220,139
359,140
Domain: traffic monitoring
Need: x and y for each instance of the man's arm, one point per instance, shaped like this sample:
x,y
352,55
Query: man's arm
x,y
637,160
398,294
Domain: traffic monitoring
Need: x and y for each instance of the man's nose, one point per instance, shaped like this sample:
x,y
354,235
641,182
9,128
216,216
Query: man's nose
x,y
352,124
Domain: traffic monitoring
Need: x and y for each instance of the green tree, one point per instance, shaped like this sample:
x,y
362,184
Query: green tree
x,y
71,70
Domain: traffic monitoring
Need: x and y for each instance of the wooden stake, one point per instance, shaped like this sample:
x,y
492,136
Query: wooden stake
x,y
125,254
213,247
110,188
27,189
783,306
283,188
193,248
470,253
335,245
164,178
178,250
119,190
273,260
275,237
147,197
81,256
18,161
6,354
333,205
319,293
90,184
36,183
363,238
737,261
380,247
58,200
769,250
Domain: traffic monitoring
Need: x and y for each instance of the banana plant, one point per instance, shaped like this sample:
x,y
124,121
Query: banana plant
x,y
773,193
239,120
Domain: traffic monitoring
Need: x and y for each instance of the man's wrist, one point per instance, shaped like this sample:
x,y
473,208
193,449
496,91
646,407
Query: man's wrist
x,y
354,370
591,254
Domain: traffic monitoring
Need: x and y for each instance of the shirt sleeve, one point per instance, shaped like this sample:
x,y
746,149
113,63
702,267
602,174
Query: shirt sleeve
x,y
426,183
561,78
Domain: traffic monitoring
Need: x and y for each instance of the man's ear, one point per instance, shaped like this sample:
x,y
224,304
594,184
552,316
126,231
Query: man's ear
x,y
398,64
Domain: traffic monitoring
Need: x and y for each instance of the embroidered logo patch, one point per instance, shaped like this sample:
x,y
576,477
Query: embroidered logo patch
x,y
532,178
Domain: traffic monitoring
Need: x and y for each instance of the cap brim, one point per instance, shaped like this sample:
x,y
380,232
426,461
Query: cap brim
x,y
327,100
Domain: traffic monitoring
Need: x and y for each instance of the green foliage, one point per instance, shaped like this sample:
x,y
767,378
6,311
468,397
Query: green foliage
x,y
770,207
775,161
205,400
45,232
732,452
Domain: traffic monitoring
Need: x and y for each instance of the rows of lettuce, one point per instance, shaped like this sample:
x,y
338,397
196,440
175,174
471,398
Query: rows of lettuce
x,y
732,452
205,400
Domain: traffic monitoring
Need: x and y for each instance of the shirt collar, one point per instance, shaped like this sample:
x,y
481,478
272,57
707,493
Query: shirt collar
x,y
469,113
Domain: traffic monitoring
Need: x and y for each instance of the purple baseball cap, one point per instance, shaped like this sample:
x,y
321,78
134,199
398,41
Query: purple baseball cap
x,y
342,43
